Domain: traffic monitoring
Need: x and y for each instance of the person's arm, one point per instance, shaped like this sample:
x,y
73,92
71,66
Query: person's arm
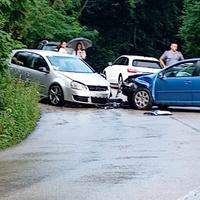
x,y
162,60
83,55
181,56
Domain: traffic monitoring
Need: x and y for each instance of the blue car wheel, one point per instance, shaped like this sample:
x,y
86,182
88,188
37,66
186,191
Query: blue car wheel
x,y
142,99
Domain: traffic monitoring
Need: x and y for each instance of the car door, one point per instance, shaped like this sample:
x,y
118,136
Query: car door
x,y
40,73
20,63
113,71
173,86
196,85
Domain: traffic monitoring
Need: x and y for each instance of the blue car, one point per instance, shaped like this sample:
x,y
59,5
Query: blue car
x,y
176,85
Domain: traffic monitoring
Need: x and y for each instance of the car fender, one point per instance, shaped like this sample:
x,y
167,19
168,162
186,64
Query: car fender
x,y
141,82
63,81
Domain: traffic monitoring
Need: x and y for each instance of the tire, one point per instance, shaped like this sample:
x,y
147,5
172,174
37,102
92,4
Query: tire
x,y
56,96
120,81
105,75
142,99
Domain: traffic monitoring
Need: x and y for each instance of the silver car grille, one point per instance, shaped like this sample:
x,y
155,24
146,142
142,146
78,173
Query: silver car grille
x,y
97,88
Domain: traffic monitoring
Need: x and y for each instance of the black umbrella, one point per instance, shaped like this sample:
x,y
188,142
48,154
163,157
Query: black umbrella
x,y
86,43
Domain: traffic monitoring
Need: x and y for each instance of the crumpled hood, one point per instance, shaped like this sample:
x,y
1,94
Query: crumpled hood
x,y
86,78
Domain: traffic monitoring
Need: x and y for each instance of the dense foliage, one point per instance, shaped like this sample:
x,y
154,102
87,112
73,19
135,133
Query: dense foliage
x,y
116,27
190,30
132,27
19,110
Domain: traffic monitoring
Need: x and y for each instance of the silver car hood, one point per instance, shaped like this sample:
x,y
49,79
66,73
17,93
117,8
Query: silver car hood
x,y
87,78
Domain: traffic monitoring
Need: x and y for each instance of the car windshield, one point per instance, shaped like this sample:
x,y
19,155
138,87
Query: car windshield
x,y
148,64
69,64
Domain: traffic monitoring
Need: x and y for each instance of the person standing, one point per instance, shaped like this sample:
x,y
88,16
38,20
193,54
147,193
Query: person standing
x,y
171,56
62,47
80,51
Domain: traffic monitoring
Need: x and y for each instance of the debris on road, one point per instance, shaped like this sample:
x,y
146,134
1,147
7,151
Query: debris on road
x,y
158,112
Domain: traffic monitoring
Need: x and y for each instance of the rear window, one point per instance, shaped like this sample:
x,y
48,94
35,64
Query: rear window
x,y
50,47
21,58
148,64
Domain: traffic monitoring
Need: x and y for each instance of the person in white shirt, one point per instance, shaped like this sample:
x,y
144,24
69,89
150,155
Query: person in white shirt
x,y
80,51
62,47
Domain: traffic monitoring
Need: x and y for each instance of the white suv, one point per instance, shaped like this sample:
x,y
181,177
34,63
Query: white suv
x,y
127,65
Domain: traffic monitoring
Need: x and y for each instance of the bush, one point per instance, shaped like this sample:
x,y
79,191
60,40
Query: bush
x,y
19,110
7,44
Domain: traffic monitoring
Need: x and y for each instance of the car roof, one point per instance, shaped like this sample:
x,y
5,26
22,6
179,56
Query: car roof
x,y
190,59
136,57
51,43
44,52
183,61
46,42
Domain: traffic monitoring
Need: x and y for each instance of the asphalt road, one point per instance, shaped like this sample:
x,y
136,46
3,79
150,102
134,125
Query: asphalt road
x,y
104,154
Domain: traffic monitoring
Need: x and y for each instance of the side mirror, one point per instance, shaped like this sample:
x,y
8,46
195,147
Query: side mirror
x,y
109,63
161,75
43,69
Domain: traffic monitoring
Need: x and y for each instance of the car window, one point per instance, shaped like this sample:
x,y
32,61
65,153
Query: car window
x,y
69,64
148,64
50,47
197,69
121,61
22,58
181,70
38,61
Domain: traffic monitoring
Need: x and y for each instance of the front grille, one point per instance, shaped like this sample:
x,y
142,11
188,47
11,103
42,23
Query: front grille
x,y
99,100
97,88
78,98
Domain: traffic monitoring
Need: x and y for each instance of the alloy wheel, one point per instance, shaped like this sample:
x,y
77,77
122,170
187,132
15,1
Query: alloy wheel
x,y
142,99
56,96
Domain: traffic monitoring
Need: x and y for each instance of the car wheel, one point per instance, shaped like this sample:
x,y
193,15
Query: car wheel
x,y
56,96
142,99
120,81
105,75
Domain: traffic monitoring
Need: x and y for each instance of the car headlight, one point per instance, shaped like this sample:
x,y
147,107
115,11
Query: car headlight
x,y
78,86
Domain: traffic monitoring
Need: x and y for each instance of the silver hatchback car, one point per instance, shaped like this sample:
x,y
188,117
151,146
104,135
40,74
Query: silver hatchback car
x,y
61,77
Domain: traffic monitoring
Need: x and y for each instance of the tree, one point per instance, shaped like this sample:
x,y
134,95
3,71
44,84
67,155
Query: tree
x,y
155,25
111,19
7,43
190,28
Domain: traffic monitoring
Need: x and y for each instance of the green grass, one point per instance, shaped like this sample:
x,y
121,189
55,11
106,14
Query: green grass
x,y
19,110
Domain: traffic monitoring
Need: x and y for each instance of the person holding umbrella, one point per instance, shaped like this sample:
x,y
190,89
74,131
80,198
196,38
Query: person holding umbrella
x,y
80,51
79,45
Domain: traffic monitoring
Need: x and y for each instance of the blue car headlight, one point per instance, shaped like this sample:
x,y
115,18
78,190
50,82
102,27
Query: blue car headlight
x,y
78,86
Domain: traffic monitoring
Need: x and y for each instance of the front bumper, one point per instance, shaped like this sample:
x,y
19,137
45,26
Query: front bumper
x,y
127,90
91,100
88,97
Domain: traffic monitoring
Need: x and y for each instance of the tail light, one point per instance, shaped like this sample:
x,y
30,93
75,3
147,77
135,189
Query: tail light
x,y
132,70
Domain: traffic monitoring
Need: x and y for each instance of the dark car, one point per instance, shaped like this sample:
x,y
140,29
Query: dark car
x,y
176,85
48,45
